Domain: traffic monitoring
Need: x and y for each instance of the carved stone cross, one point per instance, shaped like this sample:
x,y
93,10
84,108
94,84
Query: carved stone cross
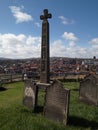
x,y
45,64
46,15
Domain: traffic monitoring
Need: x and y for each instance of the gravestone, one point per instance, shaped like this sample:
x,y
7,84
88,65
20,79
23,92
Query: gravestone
x,y
0,83
57,102
88,91
45,63
29,98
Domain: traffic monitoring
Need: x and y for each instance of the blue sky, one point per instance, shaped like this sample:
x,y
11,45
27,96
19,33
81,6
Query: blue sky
x,y
73,28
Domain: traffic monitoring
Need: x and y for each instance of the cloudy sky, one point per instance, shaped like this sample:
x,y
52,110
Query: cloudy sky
x,y
73,28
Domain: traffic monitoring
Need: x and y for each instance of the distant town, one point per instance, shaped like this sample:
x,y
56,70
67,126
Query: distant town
x,y
60,67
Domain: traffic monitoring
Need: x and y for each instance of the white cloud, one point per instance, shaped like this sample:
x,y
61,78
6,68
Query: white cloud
x,y
72,44
65,21
19,15
19,46
69,36
94,46
94,41
22,46
58,48
72,49
37,24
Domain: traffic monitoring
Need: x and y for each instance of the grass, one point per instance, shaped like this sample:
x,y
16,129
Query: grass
x,y
15,116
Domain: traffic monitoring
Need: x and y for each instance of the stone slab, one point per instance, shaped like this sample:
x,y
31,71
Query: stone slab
x,y
42,85
29,97
88,92
57,102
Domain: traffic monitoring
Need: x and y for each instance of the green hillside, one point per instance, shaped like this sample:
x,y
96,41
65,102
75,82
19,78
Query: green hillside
x,y
15,116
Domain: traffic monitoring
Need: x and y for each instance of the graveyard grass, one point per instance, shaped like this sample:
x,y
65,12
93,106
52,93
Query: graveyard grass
x,y
15,116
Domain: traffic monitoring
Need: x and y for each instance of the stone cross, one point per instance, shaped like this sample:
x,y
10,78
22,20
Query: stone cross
x,y
45,62
46,15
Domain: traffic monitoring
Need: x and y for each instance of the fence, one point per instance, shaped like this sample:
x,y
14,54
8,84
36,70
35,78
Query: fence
x,y
7,78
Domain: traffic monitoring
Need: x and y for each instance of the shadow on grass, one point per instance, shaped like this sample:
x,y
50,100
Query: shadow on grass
x,y
2,89
81,122
38,109
74,89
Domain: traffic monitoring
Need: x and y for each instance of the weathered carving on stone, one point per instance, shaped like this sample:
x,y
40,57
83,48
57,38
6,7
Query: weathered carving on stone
x,y
29,94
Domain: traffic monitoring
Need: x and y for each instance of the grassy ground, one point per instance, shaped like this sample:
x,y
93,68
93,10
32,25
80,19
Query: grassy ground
x,y
14,116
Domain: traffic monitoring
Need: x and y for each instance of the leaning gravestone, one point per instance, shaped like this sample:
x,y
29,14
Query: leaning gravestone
x,y
29,94
57,102
88,92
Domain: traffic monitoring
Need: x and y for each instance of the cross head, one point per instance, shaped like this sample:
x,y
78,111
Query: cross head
x,y
46,15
